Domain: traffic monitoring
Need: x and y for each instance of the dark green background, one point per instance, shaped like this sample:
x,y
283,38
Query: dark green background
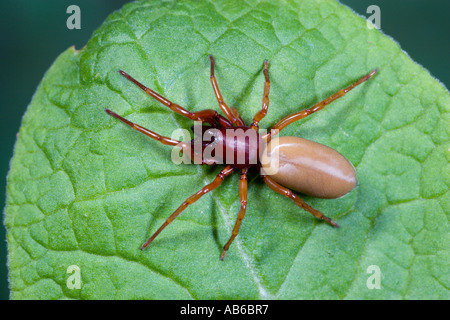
x,y
33,33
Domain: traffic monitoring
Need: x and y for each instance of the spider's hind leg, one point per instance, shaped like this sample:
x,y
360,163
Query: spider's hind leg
x,y
298,201
283,123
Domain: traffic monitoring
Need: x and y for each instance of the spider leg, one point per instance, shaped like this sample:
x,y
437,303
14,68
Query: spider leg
x,y
304,113
241,214
151,134
298,201
265,102
236,114
207,115
213,185
225,109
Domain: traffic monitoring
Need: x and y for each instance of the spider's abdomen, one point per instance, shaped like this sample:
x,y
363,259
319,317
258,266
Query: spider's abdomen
x,y
308,167
237,146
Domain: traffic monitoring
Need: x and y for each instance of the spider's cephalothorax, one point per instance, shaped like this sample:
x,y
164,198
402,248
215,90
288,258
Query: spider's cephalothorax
x,y
236,146
299,164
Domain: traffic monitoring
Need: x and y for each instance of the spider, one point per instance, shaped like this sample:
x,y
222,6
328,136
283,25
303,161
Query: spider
x,y
292,163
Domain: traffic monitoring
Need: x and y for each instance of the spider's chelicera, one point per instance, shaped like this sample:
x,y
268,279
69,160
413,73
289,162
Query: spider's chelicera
x,y
286,162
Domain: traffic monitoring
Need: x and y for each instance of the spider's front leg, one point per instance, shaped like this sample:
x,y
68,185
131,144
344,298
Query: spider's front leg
x,y
283,123
164,140
208,115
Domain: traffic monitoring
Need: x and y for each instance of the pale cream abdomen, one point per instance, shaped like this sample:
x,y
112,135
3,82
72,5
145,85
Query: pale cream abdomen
x,y
308,167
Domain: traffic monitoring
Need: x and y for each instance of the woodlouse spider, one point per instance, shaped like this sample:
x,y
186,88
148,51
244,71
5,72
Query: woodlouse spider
x,y
301,165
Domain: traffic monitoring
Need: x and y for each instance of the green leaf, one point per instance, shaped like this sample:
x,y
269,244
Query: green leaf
x,y
85,190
